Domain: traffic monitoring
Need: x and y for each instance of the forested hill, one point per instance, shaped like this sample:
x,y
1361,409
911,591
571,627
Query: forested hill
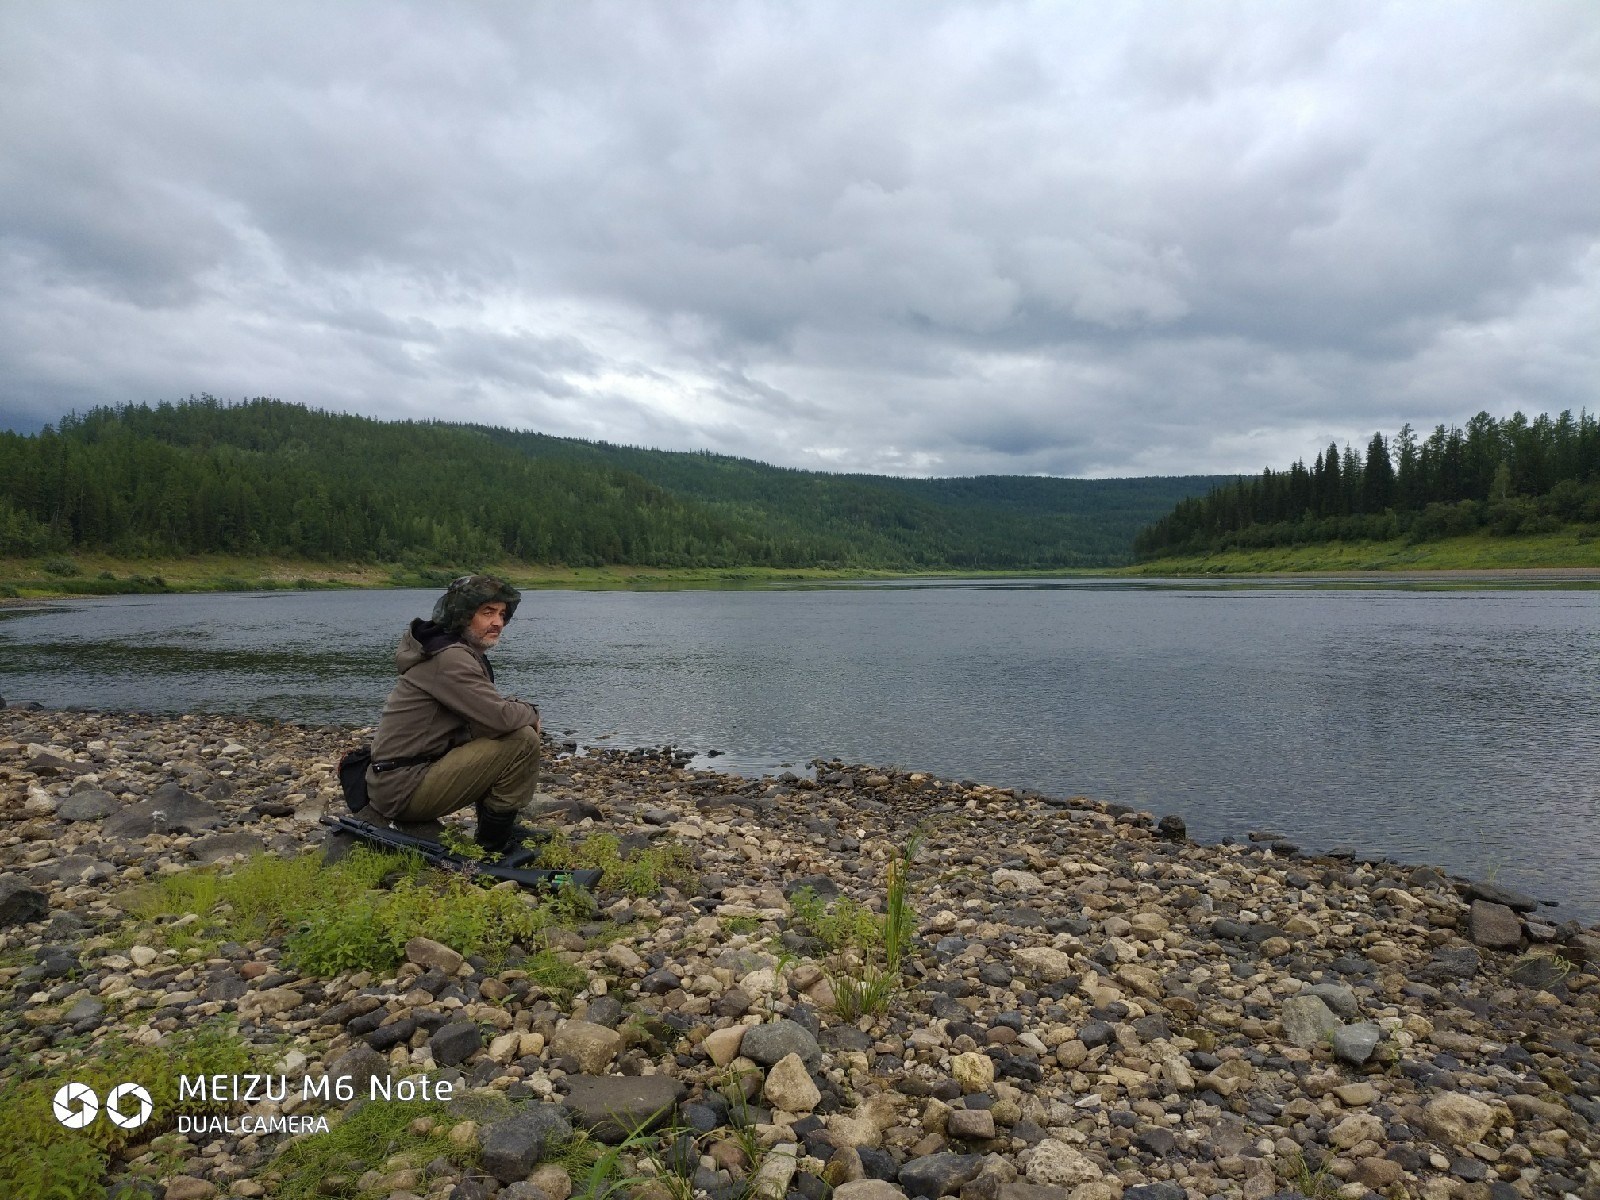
x,y
268,477
1500,477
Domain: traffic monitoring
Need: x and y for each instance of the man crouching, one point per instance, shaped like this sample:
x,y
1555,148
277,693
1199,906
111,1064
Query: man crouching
x,y
447,738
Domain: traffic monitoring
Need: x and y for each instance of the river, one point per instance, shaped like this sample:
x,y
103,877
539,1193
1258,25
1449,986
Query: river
x,y
1458,727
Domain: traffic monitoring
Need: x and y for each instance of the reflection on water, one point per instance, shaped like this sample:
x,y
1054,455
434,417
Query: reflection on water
x,y
1459,727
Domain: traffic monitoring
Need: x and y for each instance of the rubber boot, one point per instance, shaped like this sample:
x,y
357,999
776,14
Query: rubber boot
x,y
499,833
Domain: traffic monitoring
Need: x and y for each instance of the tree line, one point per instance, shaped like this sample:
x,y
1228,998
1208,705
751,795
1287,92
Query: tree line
x,y
265,477
1501,476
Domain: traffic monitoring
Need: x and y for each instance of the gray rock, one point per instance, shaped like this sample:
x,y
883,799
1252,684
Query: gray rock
x,y
513,1147
867,1189
1495,894
971,1124
170,810
613,1107
1339,997
659,982
1307,1021
1157,1140
57,962
360,1066
221,845
1173,828
85,1010
1354,1044
1453,962
938,1174
19,903
456,1043
91,804
769,1043
825,888
1154,1191
604,1010
224,985
1538,971
1494,926
1096,1033
846,1037
74,868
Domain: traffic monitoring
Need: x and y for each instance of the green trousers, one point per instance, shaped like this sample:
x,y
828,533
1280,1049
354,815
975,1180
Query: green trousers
x,y
502,772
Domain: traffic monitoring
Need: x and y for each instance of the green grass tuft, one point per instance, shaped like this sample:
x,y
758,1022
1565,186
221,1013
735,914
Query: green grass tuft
x,y
41,1158
642,873
338,918
370,1137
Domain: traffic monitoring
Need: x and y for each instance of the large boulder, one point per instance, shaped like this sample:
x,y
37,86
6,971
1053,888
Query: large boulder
x,y
789,1086
514,1146
1457,1120
591,1046
1307,1021
1494,926
170,810
769,1044
90,804
614,1107
20,903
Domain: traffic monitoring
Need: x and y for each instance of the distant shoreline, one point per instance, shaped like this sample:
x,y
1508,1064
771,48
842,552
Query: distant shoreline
x,y
647,578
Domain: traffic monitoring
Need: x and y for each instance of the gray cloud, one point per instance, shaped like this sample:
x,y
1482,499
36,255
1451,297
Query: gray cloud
x,y
934,239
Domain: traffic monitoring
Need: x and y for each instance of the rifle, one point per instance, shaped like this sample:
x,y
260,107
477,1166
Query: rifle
x,y
507,867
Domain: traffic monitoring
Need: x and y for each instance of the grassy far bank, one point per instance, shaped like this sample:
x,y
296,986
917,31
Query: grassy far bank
x,y
85,574
1566,549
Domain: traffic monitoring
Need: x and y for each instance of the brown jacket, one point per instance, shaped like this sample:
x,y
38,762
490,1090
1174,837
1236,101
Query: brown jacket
x,y
445,698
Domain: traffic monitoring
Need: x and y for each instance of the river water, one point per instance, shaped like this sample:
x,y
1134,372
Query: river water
x,y
1452,727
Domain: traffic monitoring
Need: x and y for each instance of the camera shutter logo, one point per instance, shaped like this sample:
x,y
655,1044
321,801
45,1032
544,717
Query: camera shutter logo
x,y
76,1105
125,1096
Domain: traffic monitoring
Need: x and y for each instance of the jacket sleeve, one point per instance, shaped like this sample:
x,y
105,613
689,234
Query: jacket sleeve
x,y
459,682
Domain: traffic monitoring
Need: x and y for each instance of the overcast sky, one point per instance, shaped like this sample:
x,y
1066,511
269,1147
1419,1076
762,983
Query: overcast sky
x,y
917,238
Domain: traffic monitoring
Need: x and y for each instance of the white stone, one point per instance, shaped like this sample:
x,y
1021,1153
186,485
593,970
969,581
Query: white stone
x,y
789,1086
973,1071
1056,1164
1457,1119
1044,962
1022,881
722,1045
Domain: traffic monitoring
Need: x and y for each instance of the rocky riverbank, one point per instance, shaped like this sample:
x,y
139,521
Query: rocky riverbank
x,y
1092,1007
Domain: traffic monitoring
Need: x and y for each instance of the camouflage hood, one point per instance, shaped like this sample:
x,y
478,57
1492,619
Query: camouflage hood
x,y
468,594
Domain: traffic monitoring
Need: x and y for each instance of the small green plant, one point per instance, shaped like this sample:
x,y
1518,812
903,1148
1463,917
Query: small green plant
x,y
63,567
865,990
740,925
900,919
41,1157
606,1179
840,925
856,934
1312,1184
460,844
